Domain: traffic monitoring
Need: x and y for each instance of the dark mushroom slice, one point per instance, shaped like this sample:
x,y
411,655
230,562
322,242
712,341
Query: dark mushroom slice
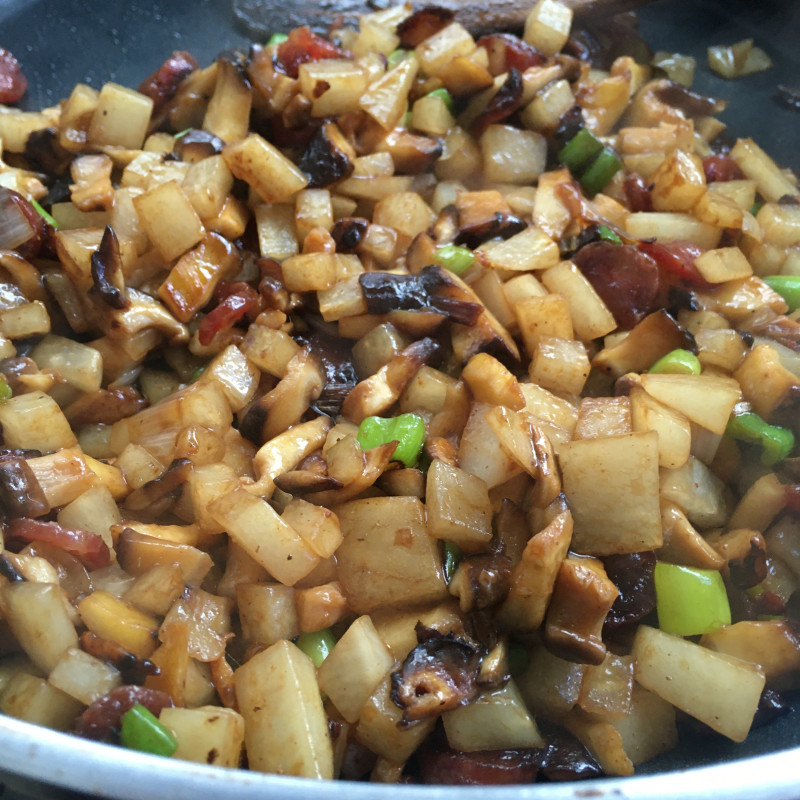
x,y
632,574
105,406
158,496
499,225
506,101
348,233
582,597
20,492
44,152
328,158
481,581
482,768
438,675
107,274
195,145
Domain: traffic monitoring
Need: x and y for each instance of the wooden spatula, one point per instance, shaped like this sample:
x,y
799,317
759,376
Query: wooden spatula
x,y
264,17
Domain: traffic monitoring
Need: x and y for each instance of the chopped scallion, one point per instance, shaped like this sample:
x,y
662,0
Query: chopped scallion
x,y
776,442
396,56
445,96
577,152
689,601
6,392
45,215
600,171
455,258
678,362
607,235
317,645
451,558
408,430
141,730
277,38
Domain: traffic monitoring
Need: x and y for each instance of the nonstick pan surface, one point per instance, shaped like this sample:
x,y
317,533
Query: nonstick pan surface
x,y
62,42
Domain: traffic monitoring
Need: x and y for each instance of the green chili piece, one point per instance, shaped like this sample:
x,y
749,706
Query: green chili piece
x,y
317,645
142,731
446,96
776,442
46,216
578,151
678,362
600,171
451,558
788,287
6,392
395,57
607,235
455,258
277,38
690,601
408,430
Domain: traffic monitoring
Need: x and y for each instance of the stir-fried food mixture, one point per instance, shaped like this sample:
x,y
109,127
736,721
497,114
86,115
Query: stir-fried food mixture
x,y
398,406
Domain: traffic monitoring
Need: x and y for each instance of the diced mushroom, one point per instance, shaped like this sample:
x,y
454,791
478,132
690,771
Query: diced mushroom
x,y
582,597
328,158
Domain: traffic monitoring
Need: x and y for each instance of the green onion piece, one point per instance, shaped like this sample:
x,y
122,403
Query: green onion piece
x,y
6,392
318,645
582,147
407,117
47,217
446,96
756,207
788,287
408,430
690,601
455,258
518,658
607,235
776,442
451,558
197,373
277,38
142,731
396,56
600,171
678,362
181,134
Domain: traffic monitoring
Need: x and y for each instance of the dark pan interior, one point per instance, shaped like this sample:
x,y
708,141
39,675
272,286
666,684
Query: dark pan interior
x,y
62,42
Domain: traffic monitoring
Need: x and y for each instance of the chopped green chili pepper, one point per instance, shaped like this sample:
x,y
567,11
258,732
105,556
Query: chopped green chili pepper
x,y
451,558
142,731
317,645
408,430
788,287
277,38
690,601
776,443
47,217
678,362
396,56
518,658
6,392
578,151
446,96
600,171
455,258
607,235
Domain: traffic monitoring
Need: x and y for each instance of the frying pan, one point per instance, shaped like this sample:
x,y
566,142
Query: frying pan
x,y
62,42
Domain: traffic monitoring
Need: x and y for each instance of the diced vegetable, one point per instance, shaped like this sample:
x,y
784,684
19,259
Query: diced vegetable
x,y
142,731
690,601
317,645
776,442
408,430
455,258
681,362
